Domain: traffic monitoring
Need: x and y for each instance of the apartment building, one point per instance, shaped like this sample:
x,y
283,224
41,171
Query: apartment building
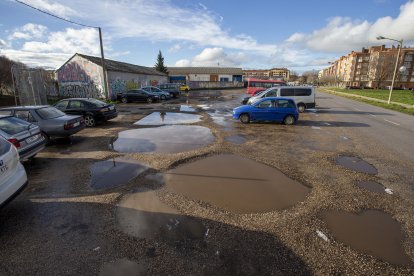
x,y
274,73
373,67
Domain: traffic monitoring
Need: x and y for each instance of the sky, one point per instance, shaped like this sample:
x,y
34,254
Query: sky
x,y
300,35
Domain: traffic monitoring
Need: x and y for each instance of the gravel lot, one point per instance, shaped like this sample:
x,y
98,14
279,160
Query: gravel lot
x,y
61,224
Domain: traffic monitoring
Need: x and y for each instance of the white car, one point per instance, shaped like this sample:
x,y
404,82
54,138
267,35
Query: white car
x,y
13,178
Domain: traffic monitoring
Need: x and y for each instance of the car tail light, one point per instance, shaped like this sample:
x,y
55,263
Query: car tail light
x,y
68,126
15,142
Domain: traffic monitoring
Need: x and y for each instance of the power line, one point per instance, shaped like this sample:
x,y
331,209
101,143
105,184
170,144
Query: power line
x,y
61,18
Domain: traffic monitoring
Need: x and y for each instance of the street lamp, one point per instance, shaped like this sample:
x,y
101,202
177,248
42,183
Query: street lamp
x,y
396,62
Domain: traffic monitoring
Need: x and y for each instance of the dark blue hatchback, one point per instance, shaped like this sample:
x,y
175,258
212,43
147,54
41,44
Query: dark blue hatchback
x,y
268,109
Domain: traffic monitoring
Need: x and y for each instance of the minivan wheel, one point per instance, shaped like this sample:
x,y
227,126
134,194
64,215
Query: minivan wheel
x,y
244,118
124,100
301,108
149,100
289,120
89,121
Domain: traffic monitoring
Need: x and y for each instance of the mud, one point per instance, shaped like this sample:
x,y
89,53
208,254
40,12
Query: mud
x,y
114,172
236,184
236,139
143,215
168,118
372,232
122,267
356,164
371,186
165,139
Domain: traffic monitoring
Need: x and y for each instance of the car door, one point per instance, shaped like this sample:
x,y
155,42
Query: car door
x,y
263,110
284,108
75,107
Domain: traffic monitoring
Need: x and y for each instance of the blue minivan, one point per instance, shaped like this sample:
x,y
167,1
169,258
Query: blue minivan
x,y
274,109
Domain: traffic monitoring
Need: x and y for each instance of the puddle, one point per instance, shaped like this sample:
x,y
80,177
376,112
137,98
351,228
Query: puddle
x,y
204,106
186,108
122,267
371,186
236,139
168,118
114,172
372,232
165,139
143,215
356,164
236,184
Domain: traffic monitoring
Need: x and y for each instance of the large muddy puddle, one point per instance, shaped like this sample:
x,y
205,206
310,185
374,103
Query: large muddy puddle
x,y
165,139
114,172
143,215
356,164
236,139
168,118
371,186
372,232
236,184
122,267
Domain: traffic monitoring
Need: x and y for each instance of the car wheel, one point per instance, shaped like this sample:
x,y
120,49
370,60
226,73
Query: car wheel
x,y
149,100
89,121
301,108
244,118
163,97
124,100
289,120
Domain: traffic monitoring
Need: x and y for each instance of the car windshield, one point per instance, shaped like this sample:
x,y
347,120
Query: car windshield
x,y
97,102
49,113
13,125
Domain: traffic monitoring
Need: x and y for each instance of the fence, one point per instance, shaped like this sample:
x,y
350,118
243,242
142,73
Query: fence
x,y
32,86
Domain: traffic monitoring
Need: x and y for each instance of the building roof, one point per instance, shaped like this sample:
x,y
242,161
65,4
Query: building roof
x,y
118,66
204,70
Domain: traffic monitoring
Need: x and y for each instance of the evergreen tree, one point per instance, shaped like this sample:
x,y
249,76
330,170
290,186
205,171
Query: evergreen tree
x,y
159,66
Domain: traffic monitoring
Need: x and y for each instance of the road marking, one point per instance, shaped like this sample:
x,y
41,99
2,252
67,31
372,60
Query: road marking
x,y
315,127
372,115
397,124
327,124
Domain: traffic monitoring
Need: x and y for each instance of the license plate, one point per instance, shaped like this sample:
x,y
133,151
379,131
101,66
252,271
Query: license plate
x,y
3,169
32,139
76,124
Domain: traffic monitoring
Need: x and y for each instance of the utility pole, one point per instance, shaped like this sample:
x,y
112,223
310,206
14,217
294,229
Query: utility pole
x,y
105,86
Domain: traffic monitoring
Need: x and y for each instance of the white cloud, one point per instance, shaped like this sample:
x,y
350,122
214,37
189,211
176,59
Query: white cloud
x,y
344,34
214,57
29,31
175,48
54,8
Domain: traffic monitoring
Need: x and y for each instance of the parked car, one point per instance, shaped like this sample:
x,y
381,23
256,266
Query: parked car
x,y
303,96
138,95
273,109
25,136
92,110
152,89
13,178
184,87
52,122
172,88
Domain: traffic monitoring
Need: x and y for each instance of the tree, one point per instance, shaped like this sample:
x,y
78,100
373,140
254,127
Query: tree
x,y
381,68
310,77
159,66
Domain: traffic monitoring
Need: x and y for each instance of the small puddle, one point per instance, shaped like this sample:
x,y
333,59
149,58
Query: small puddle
x,y
168,118
122,267
143,215
236,184
356,164
236,139
371,186
186,108
165,139
114,172
372,232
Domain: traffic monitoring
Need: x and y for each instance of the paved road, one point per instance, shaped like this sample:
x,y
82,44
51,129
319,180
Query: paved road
x,y
393,130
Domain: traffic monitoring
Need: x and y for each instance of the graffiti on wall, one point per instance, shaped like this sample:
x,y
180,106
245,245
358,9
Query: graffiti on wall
x,y
80,90
118,85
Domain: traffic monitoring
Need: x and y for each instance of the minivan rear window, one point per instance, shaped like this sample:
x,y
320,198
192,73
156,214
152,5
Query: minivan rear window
x,y
303,91
13,125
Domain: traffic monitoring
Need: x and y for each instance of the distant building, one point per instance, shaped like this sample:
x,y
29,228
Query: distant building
x,y
373,67
274,73
82,76
206,77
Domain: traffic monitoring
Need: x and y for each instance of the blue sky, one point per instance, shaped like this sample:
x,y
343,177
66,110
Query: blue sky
x,y
300,35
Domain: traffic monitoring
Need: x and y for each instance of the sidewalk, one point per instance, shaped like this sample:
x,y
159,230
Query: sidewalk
x,y
366,98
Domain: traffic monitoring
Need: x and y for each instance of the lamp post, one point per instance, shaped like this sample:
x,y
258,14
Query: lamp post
x,y
396,62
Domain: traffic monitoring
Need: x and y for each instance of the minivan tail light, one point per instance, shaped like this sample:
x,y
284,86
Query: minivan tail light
x,y
15,142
